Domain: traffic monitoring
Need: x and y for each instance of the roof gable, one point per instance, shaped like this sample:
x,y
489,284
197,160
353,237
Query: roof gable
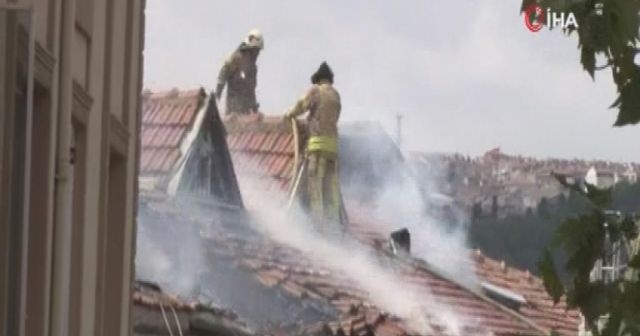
x,y
183,147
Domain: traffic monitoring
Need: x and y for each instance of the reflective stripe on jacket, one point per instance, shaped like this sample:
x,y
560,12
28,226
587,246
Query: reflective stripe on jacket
x,y
322,143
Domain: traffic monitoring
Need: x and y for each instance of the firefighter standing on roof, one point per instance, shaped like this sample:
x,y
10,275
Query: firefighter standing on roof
x,y
239,73
323,103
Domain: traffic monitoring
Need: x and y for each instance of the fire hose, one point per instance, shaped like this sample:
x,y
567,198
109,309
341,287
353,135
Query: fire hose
x,y
296,146
298,169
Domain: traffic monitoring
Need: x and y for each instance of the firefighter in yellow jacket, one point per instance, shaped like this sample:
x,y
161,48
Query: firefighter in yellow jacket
x,y
322,102
239,73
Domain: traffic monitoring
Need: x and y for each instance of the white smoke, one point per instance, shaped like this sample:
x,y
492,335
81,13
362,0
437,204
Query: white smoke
x,y
347,257
398,200
170,251
442,244
152,261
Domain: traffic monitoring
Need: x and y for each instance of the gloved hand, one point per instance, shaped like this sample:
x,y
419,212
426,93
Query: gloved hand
x,y
287,117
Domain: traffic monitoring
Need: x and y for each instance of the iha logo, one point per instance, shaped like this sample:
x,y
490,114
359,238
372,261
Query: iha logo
x,y
535,18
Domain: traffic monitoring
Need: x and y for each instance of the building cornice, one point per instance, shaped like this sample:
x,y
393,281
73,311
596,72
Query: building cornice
x,y
119,136
82,103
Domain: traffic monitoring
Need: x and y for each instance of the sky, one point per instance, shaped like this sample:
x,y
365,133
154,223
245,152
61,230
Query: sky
x,y
467,76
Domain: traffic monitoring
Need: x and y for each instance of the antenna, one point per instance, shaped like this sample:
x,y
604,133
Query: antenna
x,y
399,129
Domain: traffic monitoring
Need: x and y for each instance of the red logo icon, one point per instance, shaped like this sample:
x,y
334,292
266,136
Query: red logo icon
x,y
534,17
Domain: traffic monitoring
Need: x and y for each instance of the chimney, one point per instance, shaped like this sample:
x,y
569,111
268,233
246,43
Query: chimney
x,y
400,241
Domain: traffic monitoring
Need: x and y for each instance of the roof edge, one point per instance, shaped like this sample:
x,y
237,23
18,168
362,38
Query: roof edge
x,y
186,145
173,93
421,263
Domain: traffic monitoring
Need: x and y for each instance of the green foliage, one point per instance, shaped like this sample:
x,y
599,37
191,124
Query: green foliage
x,y
609,306
547,269
518,239
608,30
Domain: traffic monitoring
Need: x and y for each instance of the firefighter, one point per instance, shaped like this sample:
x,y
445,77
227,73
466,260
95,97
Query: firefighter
x,y
239,73
322,101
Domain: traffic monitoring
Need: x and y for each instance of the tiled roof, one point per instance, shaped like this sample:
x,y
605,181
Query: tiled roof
x,y
149,294
539,307
166,119
262,148
156,312
301,278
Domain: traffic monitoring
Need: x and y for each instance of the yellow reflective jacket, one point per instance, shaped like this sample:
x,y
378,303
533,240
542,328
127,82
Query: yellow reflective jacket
x,y
323,103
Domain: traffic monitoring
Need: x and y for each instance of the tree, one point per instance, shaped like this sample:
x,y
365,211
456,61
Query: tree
x,y
609,304
476,212
543,208
608,31
519,238
494,206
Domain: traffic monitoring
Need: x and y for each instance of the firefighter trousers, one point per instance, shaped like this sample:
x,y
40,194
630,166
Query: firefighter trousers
x,y
323,188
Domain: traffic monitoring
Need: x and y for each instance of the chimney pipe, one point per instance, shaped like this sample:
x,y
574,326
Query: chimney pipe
x,y
400,241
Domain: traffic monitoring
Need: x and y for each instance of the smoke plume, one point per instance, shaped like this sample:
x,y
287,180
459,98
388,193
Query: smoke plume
x,y
345,256
170,250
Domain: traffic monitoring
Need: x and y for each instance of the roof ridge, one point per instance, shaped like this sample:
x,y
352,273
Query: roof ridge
x,y
174,93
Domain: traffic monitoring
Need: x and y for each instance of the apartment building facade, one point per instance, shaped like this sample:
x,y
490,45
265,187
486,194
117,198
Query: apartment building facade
x,y
70,83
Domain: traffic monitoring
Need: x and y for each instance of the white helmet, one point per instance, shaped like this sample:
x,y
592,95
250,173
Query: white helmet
x,y
254,39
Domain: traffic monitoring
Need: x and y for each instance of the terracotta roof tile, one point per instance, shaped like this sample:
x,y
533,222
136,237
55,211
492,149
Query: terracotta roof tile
x,y
261,146
153,305
166,119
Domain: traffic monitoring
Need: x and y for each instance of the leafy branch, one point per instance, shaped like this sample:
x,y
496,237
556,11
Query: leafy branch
x,y
607,297
607,29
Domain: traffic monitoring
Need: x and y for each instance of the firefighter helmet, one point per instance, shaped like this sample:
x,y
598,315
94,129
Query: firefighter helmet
x,y
323,73
254,40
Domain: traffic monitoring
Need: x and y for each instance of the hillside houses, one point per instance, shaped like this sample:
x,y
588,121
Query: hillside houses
x,y
512,184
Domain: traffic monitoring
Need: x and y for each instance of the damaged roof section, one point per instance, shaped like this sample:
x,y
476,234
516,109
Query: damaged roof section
x,y
183,146
291,293
307,298
218,275
158,313
301,278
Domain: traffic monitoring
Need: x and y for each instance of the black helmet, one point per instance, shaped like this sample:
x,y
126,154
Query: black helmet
x,y
324,73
